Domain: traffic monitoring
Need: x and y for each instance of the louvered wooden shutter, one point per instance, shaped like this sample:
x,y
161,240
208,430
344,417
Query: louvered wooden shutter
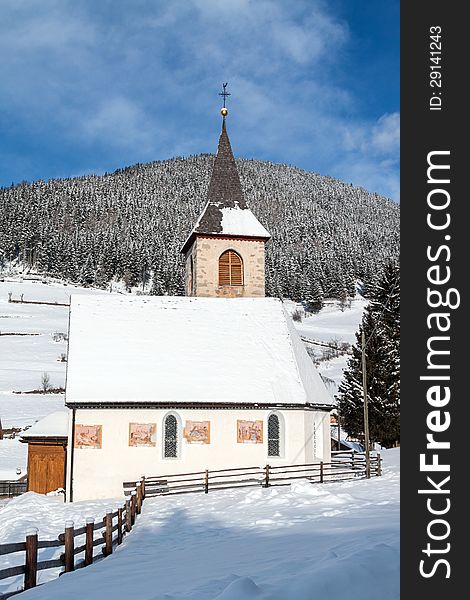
x,y
230,269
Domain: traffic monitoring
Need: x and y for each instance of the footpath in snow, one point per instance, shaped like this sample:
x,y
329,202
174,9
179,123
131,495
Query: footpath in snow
x,y
303,542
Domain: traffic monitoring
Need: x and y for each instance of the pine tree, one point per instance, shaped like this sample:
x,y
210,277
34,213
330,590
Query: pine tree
x,y
381,327
325,234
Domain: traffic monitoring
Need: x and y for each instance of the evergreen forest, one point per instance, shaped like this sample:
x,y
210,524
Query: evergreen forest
x,y
130,225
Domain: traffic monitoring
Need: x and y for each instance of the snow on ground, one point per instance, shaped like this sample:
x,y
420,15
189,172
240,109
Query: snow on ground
x,y
304,541
333,325
23,359
22,410
13,456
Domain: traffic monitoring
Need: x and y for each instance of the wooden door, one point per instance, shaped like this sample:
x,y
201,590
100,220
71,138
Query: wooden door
x,y
46,467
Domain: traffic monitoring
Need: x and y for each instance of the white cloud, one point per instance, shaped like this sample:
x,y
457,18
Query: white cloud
x,y
139,81
385,137
120,121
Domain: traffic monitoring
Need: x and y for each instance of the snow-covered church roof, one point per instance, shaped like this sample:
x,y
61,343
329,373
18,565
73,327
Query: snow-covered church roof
x,y
226,212
170,350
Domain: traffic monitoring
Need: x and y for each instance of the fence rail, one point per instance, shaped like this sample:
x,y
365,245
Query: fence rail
x,y
21,300
343,467
117,522
9,489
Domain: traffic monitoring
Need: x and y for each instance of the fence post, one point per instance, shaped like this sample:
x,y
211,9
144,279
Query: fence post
x,y
69,547
108,534
139,499
206,482
90,523
379,465
128,516
321,471
142,485
266,476
119,529
133,506
31,558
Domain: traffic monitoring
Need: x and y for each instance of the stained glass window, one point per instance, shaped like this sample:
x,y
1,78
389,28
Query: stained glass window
x,y
274,436
171,437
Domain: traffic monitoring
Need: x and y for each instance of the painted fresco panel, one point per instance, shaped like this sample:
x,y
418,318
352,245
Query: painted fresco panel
x,y
88,436
249,432
197,432
142,434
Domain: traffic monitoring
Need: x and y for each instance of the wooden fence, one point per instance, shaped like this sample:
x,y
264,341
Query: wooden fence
x,y
115,524
111,530
21,300
344,466
9,489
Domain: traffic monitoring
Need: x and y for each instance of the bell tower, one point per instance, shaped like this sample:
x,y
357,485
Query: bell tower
x,y
225,249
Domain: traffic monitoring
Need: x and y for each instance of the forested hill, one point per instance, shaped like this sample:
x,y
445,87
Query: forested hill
x,y
131,224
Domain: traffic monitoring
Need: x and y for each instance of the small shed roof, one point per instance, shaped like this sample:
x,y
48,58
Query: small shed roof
x,y
54,425
192,350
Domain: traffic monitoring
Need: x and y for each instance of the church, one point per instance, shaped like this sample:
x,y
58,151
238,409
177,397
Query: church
x,y
218,378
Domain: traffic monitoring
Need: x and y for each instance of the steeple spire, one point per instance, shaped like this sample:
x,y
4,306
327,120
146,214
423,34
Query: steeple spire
x,y
225,250
226,212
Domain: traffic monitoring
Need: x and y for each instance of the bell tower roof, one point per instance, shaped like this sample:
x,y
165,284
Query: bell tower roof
x,y
226,212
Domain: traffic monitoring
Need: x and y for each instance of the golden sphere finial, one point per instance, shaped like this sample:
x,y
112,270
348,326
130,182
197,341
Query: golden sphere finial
x,y
224,111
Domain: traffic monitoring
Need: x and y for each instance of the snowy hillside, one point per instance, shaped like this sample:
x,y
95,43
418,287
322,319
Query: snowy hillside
x,y
24,358
304,541
334,327
131,225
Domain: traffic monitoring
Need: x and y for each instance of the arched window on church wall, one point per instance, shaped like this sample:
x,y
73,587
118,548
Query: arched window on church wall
x,y
230,268
171,436
275,434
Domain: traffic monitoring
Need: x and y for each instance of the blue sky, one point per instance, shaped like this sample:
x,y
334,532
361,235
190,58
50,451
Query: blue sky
x,y
89,86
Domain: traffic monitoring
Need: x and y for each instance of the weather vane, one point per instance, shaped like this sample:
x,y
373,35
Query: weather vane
x,y
224,94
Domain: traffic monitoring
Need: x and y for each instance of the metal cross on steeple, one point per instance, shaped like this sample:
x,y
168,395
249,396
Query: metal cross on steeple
x,y
224,93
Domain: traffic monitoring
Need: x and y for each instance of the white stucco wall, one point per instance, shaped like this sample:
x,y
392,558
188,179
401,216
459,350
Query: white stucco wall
x,y
99,473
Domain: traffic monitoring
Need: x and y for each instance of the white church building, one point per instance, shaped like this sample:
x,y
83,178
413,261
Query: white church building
x,y
216,379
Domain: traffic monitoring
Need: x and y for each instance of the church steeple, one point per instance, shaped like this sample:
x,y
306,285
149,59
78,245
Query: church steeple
x,y
225,227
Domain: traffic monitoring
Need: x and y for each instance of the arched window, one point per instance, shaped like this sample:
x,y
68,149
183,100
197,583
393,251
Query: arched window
x,y
230,269
274,435
171,437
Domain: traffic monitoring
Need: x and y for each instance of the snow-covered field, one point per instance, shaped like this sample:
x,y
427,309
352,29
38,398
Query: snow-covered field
x,y
24,358
305,541
331,325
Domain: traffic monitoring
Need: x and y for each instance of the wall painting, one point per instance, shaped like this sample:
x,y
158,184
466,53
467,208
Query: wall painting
x,y
88,436
250,432
197,432
142,434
